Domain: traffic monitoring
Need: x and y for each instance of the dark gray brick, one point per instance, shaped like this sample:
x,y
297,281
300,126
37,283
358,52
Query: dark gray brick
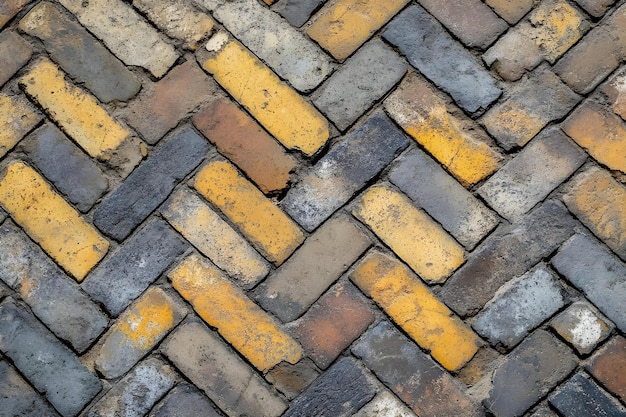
x,y
15,53
50,366
345,169
341,391
17,398
185,401
580,397
430,49
297,12
123,276
150,184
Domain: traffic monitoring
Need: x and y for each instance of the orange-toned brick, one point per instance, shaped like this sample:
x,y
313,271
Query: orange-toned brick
x,y
511,10
608,365
347,24
17,118
9,8
269,229
50,221
244,324
412,234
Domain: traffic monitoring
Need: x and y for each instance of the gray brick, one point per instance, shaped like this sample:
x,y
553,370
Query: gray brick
x,y
66,166
14,52
582,326
344,170
447,201
520,306
150,184
581,258
297,12
290,379
100,71
411,374
17,398
185,401
535,367
596,8
124,275
543,412
507,254
341,391
361,80
25,268
430,49
50,366
581,397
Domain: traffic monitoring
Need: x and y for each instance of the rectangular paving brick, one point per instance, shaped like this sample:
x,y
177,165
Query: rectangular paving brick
x,y
596,8
363,79
149,185
297,12
225,307
580,396
385,403
511,10
431,49
10,8
184,400
321,260
14,52
607,366
18,398
17,118
582,326
615,92
125,274
51,367
292,380
344,170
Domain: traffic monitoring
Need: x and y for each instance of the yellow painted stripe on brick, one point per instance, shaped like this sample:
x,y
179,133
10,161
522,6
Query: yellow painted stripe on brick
x,y
414,308
349,23
240,321
16,119
411,233
50,221
269,229
77,112
282,111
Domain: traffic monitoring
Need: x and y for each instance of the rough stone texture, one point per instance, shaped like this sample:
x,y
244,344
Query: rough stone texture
x,y
10,8
543,412
535,367
297,12
385,404
345,169
290,379
582,327
582,397
17,118
50,366
608,366
615,91
14,52
18,398
430,49
511,10
185,401
596,8
363,79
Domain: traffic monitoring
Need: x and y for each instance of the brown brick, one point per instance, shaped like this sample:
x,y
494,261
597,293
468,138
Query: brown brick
x,y
9,8
290,379
608,365
596,8
511,10
14,53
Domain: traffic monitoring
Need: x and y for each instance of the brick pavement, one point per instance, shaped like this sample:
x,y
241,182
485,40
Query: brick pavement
x,y
312,208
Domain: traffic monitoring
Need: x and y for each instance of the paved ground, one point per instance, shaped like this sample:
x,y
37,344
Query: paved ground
x,y
310,208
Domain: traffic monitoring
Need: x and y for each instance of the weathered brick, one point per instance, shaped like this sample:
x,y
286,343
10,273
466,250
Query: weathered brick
x,y
455,141
137,392
297,12
14,52
50,366
416,310
185,400
529,106
284,113
125,274
550,30
18,398
239,138
608,366
543,412
17,118
333,323
346,25
323,257
225,307
600,132
600,203
137,331
411,374
411,234
341,391
529,177
51,221
582,327
363,79
511,10
125,32
431,49
535,367
507,254
596,8
220,373
215,238
290,379
615,92
71,171
10,8
443,198
287,51
581,258
101,72
582,397
270,230
385,404
160,106
149,185
345,169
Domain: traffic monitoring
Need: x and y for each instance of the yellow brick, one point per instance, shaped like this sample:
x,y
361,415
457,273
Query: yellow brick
x,y
50,221
414,308
240,321
214,237
347,24
556,27
77,112
453,141
269,229
412,235
16,119
282,111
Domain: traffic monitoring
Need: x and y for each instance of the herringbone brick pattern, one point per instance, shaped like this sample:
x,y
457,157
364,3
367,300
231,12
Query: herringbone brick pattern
x,y
312,208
